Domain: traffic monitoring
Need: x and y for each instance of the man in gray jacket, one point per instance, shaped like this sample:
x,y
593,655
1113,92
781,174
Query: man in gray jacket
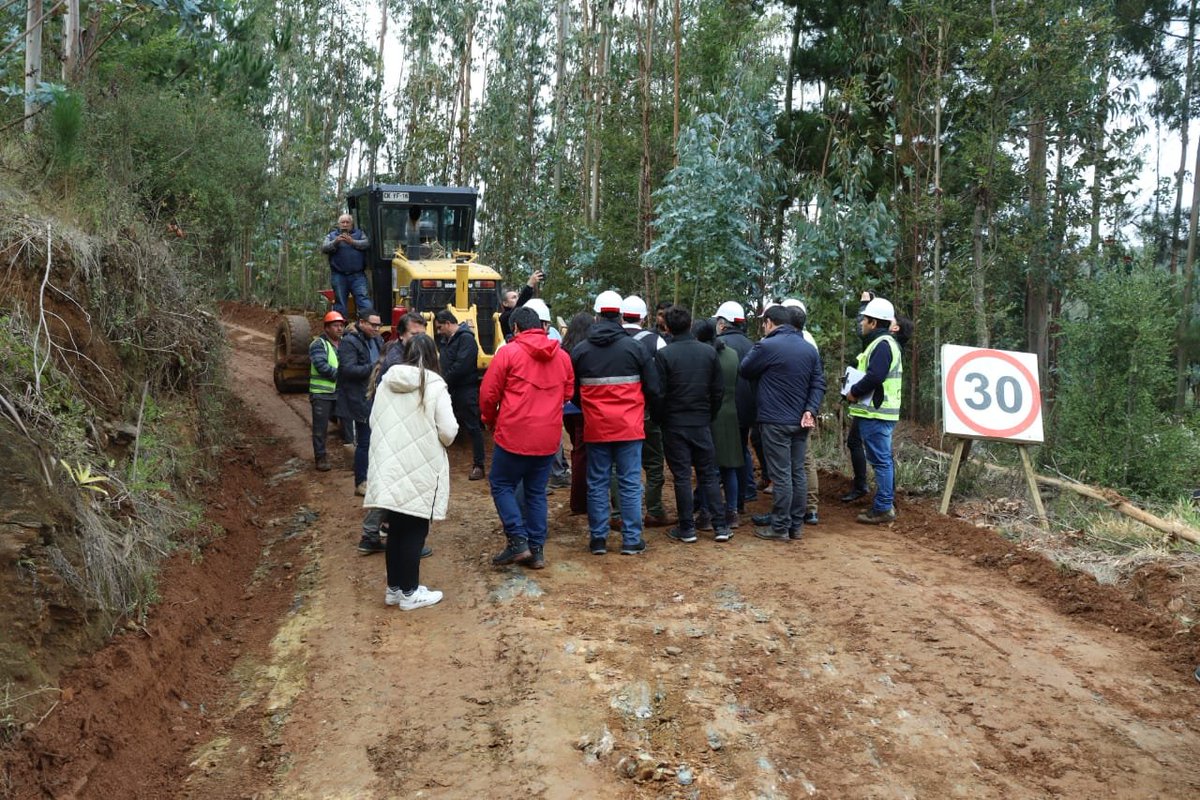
x,y
346,247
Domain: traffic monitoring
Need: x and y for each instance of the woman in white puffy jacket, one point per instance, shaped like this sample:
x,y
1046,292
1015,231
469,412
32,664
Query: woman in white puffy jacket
x,y
412,424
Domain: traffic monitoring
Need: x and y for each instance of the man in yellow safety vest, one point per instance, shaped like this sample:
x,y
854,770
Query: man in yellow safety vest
x,y
322,383
875,403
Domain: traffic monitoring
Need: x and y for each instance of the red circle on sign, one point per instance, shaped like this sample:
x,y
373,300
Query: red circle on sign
x,y
999,433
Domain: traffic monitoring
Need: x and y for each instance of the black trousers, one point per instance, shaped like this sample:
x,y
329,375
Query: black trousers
x,y
405,541
687,447
858,455
465,400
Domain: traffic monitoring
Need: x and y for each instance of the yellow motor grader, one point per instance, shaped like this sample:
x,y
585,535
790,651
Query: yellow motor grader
x,y
421,258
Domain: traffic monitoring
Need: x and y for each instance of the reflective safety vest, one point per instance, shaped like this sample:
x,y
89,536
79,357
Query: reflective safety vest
x,y
318,383
889,409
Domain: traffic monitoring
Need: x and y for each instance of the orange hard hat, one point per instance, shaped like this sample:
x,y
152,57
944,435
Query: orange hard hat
x,y
334,316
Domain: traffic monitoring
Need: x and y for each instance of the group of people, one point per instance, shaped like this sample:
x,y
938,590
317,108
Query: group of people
x,y
695,393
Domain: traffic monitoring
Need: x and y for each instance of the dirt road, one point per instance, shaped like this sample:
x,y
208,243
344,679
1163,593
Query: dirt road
x,y
930,659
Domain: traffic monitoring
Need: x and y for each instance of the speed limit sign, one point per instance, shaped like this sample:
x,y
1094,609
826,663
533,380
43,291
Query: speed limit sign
x,y
991,394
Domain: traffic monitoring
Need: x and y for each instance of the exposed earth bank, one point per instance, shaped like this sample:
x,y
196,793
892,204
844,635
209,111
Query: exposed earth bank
x,y
928,659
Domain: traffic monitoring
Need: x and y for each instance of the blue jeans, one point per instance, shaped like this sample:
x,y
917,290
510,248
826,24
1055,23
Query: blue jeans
x,y
628,459
877,441
508,470
362,446
345,285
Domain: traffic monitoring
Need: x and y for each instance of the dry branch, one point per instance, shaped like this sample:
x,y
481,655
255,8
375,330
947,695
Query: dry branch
x,y
1109,497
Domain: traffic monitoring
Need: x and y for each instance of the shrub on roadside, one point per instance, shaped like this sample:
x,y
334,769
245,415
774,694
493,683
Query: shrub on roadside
x,y
1109,425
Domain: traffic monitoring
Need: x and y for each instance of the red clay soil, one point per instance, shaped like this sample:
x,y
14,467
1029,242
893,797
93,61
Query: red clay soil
x,y
128,715
1140,609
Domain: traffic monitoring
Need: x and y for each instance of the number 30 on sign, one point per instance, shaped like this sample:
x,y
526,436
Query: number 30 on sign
x,y
991,394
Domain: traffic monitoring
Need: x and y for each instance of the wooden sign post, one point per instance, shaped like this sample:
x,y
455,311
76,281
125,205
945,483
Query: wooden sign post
x,y
992,395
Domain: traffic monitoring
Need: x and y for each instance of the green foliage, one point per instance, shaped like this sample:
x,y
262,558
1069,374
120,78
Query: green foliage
x,y
65,126
1110,424
183,160
709,205
57,412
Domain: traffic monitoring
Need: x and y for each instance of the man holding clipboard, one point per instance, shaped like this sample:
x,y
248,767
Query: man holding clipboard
x,y
873,391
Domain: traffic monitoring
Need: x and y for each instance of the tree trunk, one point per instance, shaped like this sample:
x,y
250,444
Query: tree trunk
x,y
937,218
33,59
560,96
645,204
1189,278
464,114
1099,157
1185,119
675,104
978,284
1037,288
70,42
786,201
606,32
585,93
376,111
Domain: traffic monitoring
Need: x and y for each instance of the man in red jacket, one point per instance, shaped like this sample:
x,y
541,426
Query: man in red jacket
x,y
521,400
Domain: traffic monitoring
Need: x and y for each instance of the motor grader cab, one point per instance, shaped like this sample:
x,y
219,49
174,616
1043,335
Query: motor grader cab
x,y
421,258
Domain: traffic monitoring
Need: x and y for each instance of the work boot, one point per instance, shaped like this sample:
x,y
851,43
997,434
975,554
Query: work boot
x,y
772,535
323,464
852,495
516,552
656,521
873,517
536,560
476,473
369,545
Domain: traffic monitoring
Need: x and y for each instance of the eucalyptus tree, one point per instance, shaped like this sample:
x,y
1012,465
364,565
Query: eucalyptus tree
x,y
708,208
509,133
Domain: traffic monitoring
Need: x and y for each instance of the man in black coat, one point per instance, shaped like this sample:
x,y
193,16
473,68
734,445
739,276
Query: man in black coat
x,y
459,354
357,353
693,387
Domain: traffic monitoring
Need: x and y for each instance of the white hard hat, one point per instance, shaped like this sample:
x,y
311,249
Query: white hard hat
x,y
607,300
792,302
633,306
731,312
880,309
539,305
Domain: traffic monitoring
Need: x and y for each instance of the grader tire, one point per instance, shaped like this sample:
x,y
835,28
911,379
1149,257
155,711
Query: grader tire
x,y
290,381
292,337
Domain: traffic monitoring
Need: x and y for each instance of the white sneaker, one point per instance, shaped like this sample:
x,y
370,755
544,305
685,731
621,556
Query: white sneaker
x,y
419,599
